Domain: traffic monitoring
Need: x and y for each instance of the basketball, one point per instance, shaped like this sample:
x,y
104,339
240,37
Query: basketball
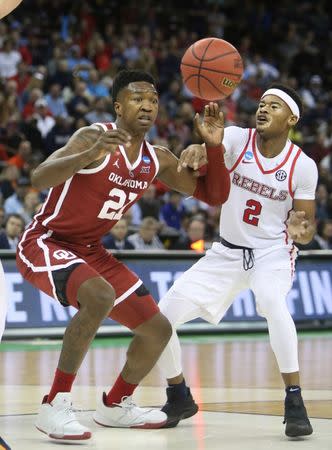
x,y
211,68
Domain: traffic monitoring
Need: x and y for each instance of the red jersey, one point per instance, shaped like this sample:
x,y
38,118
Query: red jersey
x,y
87,205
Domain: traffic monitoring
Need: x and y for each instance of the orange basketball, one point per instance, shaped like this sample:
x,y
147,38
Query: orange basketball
x,y
211,68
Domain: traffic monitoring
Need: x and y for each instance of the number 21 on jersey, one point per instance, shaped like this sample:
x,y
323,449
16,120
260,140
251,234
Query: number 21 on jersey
x,y
113,209
251,213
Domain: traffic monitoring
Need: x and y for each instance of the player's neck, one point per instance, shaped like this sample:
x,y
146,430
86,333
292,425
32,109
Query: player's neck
x,y
270,147
135,143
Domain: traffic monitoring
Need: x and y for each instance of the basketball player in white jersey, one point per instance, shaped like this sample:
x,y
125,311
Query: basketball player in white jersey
x,y
271,205
6,6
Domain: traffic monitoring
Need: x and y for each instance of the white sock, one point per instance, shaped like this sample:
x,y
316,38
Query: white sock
x,y
178,310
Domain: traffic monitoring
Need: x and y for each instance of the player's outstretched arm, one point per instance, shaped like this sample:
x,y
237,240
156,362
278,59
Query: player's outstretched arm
x,y
87,145
213,188
7,6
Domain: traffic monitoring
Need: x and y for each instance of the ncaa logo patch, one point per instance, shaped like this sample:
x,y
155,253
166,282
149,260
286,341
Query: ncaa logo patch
x,y
248,155
281,175
146,159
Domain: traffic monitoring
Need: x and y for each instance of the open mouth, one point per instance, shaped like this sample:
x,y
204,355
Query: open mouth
x,y
144,120
261,119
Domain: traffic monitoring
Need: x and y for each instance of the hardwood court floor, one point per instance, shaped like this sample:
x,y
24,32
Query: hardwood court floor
x,y
234,379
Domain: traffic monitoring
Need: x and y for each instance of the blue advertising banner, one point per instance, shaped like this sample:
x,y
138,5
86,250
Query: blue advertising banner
x,y
309,299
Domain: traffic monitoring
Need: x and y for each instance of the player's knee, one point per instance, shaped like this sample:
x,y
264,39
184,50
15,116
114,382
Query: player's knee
x,y
98,302
158,328
166,329
104,301
268,306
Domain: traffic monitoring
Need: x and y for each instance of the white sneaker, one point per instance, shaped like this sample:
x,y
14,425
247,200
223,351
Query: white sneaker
x,y
128,415
57,419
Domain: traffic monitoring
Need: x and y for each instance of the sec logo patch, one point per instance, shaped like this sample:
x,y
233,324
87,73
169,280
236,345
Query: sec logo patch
x,y
281,175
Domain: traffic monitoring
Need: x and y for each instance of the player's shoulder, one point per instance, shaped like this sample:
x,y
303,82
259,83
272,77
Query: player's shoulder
x,y
93,129
304,160
305,168
237,134
162,151
161,148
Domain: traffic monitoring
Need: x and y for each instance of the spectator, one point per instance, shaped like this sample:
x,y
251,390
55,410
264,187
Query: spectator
x,y
14,227
147,236
117,237
55,102
148,205
322,201
96,88
15,203
9,58
99,113
195,233
173,210
324,234
45,122
79,104
21,159
31,205
59,134
8,178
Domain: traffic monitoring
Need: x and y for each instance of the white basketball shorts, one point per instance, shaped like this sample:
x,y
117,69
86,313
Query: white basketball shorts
x,y
209,287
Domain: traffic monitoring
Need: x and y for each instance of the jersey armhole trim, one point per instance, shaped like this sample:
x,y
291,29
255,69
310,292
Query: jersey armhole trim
x,y
154,157
107,158
290,179
237,162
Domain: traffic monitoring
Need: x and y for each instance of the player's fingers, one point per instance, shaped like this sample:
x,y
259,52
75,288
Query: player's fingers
x,y
122,134
221,118
185,158
300,214
196,159
197,124
214,108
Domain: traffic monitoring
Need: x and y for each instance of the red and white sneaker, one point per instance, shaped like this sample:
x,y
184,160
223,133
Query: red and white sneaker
x,y
57,419
128,415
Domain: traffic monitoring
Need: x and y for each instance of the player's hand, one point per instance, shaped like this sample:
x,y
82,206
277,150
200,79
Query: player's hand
x,y
211,129
297,225
194,157
108,142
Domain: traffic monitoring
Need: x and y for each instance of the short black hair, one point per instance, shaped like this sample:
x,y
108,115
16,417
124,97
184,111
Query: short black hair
x,y
125,77
291,92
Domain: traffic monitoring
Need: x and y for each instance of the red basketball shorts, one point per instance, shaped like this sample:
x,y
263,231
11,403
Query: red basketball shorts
x,y
59,268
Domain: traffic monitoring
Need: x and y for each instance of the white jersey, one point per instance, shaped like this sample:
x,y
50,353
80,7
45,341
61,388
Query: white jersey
x,y
262,190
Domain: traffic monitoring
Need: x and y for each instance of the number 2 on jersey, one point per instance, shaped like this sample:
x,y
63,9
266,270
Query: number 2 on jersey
x,y
250,214
113,209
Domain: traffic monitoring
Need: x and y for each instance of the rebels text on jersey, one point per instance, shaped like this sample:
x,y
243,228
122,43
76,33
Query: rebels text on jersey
x,y
88,204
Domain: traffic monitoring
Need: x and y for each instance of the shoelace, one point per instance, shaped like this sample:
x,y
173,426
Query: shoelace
x,y
126,402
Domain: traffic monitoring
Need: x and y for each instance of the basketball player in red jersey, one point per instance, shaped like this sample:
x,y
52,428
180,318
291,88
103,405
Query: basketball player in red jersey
x,y
270,207
94,179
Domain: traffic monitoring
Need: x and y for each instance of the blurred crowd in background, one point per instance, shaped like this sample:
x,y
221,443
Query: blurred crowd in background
x,y
57,63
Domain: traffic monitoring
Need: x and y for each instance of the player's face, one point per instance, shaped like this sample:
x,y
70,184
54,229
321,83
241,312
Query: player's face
x,y
137,106
274,116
